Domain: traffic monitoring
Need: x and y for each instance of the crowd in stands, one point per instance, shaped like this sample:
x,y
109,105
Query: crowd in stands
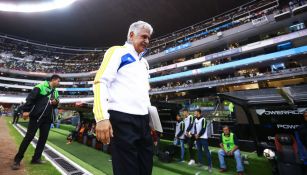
x,y
34,66
236,17
296,3
212,80
26,57
216,50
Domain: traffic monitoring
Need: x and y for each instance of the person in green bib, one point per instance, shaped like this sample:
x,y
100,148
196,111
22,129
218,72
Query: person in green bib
x,y
39,107
229,147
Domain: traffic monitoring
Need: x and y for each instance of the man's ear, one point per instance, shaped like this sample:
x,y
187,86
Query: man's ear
x,y
131,34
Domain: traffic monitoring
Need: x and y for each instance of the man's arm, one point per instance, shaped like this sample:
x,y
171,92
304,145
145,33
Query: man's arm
x,y
30,100
236,145
204,127
191,122
221,144
104,76
181,130
55,102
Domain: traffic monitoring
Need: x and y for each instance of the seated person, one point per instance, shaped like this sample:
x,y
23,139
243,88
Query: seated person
x,y
76,131
91,132
229,147
16,114
69,139
82,130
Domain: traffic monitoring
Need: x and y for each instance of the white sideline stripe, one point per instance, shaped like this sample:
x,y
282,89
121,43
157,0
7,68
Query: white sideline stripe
x,y
46,157
51,148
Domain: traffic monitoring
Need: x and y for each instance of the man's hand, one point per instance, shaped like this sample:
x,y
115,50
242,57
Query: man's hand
x,y
225,151
196,136
104,131
25,115
54,102
229,153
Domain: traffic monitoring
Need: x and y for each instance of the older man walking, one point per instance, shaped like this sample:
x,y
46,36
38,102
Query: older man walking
x,y
121,102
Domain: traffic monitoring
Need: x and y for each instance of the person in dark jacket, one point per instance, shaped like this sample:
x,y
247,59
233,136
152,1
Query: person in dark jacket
x,y
39,107
302,130
16,113
179,135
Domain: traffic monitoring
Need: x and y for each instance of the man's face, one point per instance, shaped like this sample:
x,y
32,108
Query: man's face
x,y
178,117
185,113
226,130
55,82
196,114
140,40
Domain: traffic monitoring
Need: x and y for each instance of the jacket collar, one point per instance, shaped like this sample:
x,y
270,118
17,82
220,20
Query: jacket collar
x,y
47,84
131,48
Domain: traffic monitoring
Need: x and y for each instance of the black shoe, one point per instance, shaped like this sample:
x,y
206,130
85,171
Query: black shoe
x,y
38,161
16,166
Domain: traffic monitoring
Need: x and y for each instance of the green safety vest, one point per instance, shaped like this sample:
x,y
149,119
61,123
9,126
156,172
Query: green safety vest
x,y
45,89
228,142
230,107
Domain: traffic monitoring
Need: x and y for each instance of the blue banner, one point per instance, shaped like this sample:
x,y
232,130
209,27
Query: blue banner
x,y
177,48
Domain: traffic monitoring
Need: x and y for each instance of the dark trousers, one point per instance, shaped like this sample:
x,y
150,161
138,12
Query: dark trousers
x,y
15,119
43,135
203,144
190,141
132,145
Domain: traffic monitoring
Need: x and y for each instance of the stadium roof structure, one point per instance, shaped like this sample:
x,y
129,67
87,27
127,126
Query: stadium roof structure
x,y
102,23
287,95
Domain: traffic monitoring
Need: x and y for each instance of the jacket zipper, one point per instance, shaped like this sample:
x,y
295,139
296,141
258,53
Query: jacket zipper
x,y
43,112
31,109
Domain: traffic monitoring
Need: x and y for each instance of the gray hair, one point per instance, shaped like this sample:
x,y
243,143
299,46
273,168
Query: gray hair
x,y
136,26
225,126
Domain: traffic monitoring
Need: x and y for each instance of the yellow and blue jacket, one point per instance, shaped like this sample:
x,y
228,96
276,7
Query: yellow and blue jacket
x,y
121,83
